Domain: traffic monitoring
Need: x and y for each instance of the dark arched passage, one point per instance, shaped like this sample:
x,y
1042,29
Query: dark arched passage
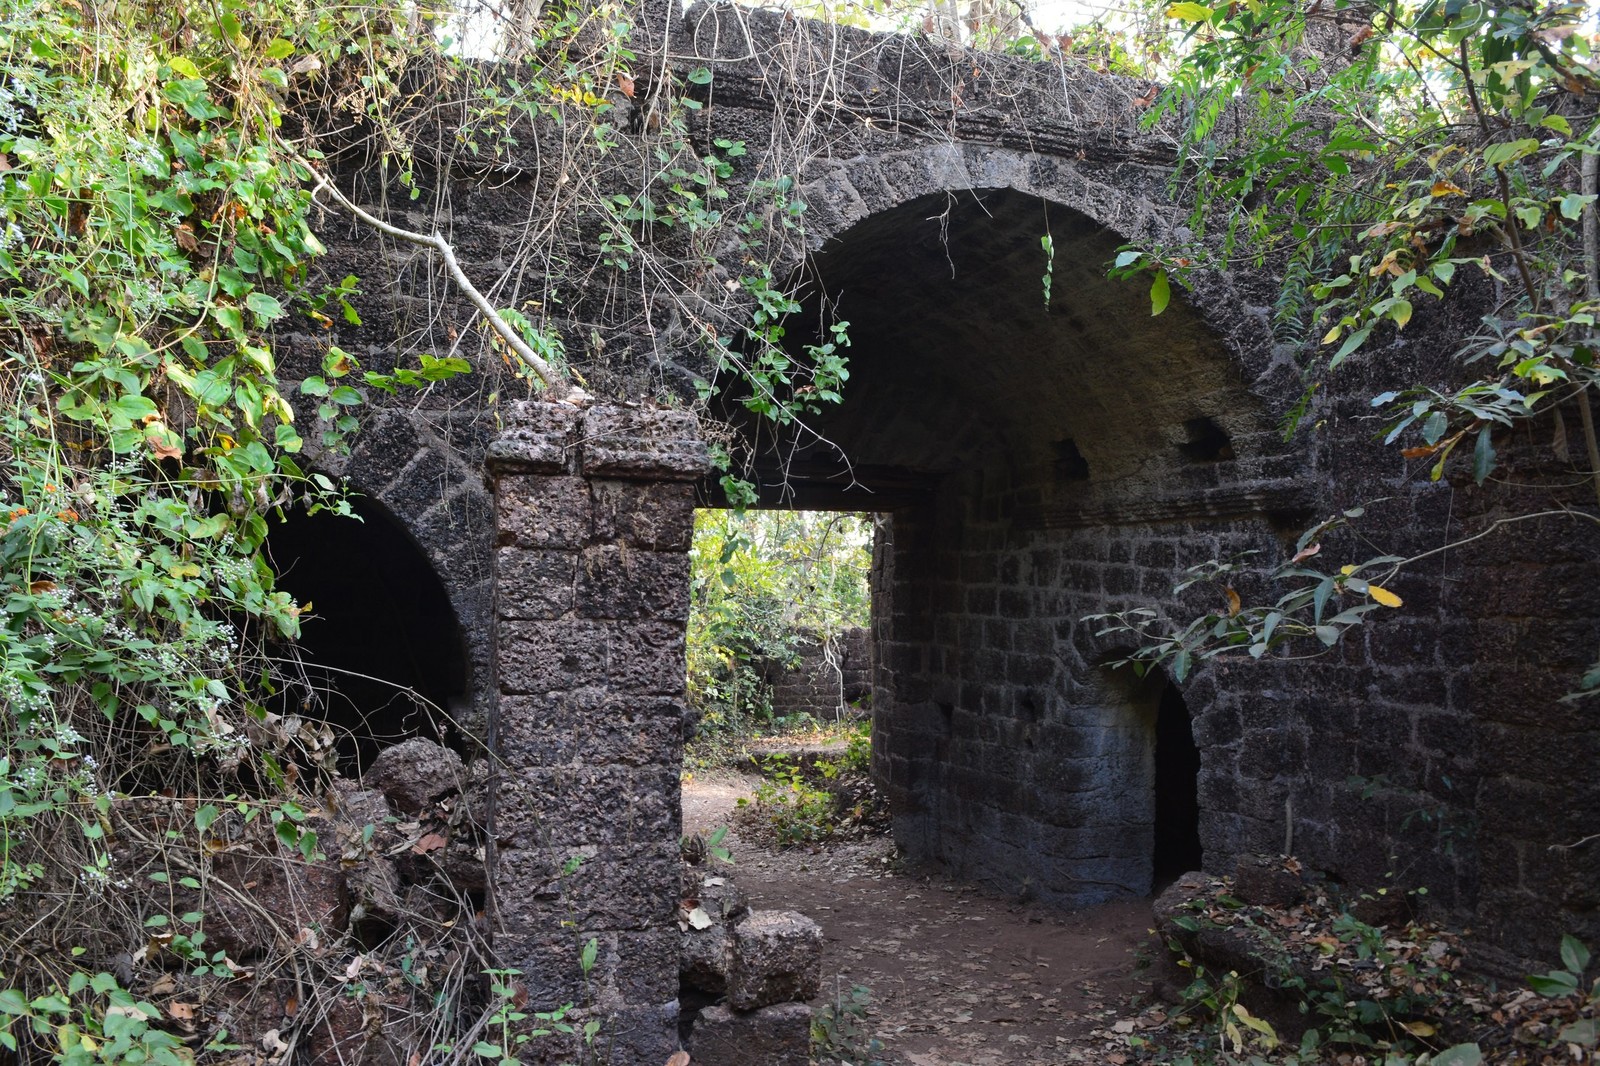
x,y
382,651
1040,462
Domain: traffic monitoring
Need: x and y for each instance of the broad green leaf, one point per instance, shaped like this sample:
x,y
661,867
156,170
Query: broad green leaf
x,y
1574,955
1554,984
266,306
1351,343
1459,1055
1572,204
133,408
1160,293
1498,155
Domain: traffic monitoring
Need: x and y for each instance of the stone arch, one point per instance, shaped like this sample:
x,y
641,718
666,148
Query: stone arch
x,y
423,471
1041,463
1127,200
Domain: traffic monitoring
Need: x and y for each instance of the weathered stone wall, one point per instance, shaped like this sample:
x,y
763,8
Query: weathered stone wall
x,y
1041,463
830,678
594,516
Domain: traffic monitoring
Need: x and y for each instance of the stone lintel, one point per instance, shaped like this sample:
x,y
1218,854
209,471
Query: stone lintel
x,y
538,438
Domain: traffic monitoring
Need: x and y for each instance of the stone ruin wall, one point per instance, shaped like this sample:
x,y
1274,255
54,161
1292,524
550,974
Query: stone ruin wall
x,y
1009,754
830,680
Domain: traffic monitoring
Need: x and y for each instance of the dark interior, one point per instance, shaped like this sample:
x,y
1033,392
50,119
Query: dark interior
x,y
382,651
1177,836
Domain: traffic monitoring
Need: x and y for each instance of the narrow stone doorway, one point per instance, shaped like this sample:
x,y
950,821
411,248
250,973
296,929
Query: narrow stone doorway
x,y
1177,807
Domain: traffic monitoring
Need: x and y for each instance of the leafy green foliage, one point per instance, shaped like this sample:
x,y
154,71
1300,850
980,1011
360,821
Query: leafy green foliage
x,y
1379,169
841,1030
763,584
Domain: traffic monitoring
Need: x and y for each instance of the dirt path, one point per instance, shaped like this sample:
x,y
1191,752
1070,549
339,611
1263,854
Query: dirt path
x,y
959,977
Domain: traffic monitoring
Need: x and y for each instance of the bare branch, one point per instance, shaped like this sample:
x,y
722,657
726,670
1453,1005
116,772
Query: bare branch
x,y
560,388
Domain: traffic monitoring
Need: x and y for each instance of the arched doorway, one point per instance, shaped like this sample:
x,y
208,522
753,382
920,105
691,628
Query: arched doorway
x,y
1043,454
381,651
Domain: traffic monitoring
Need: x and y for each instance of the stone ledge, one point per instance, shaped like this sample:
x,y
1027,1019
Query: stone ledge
x,y
646,444
539,438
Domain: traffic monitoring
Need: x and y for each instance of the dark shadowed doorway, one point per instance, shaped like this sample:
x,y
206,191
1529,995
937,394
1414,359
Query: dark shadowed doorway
x,y
382,651
1177,816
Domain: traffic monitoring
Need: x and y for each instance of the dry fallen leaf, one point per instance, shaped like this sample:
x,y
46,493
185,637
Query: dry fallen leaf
x,y
430,842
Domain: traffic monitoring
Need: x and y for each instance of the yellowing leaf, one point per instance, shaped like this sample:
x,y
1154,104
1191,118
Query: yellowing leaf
x,y
1445,188
1422,1029
1333,334
1233,602
1189,12
1385,597
1347,569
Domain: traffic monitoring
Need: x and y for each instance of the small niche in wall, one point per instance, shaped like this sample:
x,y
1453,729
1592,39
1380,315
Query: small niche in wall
x,y
1207,442
1070,463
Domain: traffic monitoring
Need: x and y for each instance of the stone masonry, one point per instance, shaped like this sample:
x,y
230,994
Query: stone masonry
x,y
1037,461
594,514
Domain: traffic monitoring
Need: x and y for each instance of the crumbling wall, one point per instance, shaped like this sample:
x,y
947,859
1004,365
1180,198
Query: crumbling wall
x,y
829,678
1031,482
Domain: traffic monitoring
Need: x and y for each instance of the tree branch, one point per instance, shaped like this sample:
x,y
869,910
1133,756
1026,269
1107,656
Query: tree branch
x,y
560,388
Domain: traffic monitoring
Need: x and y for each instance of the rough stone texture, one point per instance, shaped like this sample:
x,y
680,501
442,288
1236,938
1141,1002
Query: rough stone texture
x,y
832,678
707,954
777,958
1264,881
1035,465
779,1035
706,958
592,589
415,772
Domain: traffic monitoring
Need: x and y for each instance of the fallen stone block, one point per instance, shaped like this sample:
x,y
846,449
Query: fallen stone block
x,y
778,1035
705,959
415,772
777,958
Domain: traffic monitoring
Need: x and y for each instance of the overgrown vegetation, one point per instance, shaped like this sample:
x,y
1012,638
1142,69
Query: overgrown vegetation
x,y
159,168
766,586
1326,978
809,797
1387,158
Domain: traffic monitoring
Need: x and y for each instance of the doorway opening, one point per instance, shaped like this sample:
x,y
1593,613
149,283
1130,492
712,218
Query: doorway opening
x,y
1177,801
778,637
382,656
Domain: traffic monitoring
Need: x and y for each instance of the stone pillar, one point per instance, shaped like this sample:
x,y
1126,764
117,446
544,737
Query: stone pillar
x,y
594,512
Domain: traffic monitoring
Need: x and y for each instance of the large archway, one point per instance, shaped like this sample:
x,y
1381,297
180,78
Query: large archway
x,y
382,655
1041,460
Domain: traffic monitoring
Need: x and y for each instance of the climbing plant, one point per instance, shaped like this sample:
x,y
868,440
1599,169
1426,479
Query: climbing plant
x,y
1387,158
164,172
